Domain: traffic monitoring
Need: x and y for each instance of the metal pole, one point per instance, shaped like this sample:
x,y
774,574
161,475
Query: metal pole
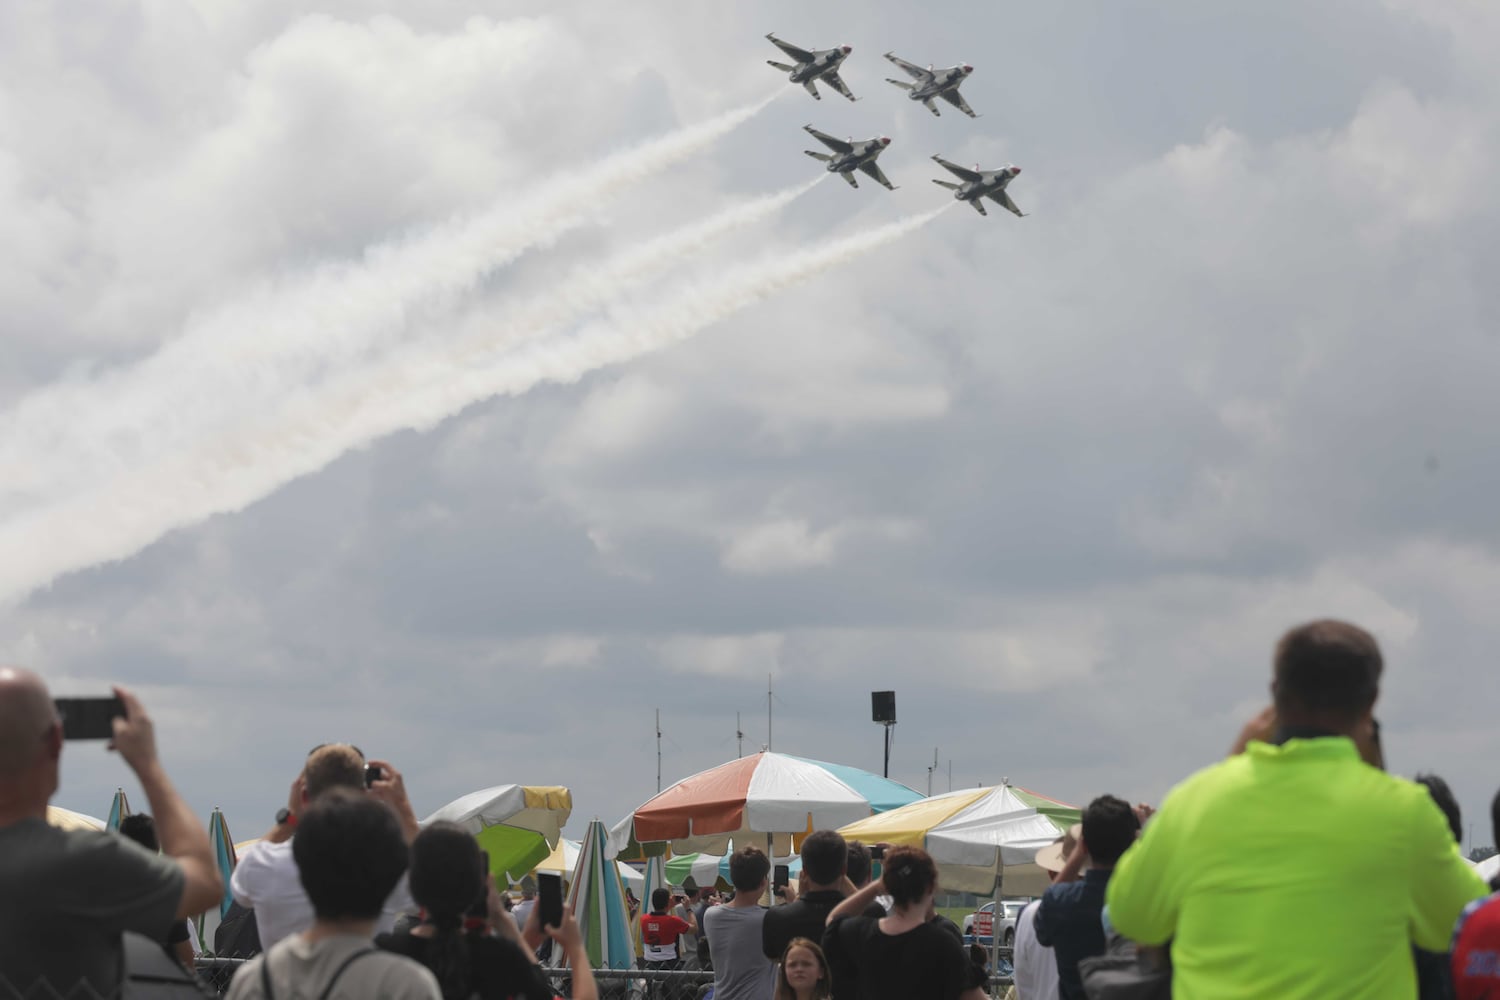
x,y
739,737
887,771
768,711
658,749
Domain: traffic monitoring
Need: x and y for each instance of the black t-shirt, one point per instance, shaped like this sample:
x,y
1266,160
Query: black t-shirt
x,y
925,963
498,968
806,916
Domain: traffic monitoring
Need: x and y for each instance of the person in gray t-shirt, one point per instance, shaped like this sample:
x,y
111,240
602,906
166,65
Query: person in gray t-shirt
x,y
66,896
741,971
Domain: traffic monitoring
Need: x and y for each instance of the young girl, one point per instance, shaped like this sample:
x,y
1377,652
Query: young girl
x,y
804,972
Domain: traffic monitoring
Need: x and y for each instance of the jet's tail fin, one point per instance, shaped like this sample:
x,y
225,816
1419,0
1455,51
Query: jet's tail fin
x,y
901,83
780,66
818,156
978,207
850,178
813,90
947,184
933,108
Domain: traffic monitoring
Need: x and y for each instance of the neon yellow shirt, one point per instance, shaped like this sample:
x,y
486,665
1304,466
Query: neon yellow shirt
x,y
1293,871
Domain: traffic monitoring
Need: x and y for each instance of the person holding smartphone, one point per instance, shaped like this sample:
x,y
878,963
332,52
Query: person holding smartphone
x,y
487,957
66,896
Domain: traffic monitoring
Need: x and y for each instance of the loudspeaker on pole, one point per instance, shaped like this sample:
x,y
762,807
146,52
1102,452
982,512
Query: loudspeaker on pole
x,y
882,706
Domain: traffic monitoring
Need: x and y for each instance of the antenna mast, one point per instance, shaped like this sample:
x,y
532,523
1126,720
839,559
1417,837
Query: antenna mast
x,y
768,711
658,749
739,737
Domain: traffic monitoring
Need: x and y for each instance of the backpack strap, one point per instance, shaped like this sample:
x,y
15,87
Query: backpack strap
x,y
328,990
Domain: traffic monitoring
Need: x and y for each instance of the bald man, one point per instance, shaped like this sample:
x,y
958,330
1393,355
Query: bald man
x,y
67,895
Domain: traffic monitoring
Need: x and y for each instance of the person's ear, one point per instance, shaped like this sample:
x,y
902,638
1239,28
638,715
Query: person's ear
x,y
54,741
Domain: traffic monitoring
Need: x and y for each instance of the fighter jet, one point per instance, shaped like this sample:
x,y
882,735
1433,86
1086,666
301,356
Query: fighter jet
x,y
815,64
934,83
851,156
981,184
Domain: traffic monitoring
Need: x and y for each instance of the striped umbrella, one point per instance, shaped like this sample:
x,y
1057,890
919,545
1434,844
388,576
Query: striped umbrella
x,y
977,836
755,798
225,858
518,825
711,869
598,901
656,878
118,810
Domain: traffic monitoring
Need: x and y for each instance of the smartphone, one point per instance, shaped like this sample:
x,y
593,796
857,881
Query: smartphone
x,y
89,718
877,851
782,876
374,773
481,906
549,901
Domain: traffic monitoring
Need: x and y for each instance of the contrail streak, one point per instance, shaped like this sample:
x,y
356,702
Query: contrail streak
x,y
318,423
239,360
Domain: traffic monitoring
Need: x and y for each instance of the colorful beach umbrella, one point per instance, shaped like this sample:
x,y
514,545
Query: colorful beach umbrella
x,y
980,838
119,808
598,901
225,858
755,798
67,819
518,825
564,858
711,869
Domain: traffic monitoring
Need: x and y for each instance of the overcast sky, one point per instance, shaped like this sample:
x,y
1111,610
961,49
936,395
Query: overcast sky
x,y
294,460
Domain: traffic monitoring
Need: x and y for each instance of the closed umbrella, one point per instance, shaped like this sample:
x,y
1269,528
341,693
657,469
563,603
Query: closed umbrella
x,y
598,901
225,858
518,825
119,808
766,798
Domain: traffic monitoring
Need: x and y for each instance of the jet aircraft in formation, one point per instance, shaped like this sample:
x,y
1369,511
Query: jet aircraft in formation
x,y
980,184
927,84
932,83
814,64
850,156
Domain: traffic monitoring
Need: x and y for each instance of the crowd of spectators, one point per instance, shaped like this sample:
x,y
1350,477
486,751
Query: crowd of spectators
x,y
1296,867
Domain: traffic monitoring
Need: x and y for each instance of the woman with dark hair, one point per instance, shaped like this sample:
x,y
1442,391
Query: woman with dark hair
x,y
482,956
904,955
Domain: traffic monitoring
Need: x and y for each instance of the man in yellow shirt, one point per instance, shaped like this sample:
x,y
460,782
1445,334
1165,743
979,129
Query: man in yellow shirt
x,y
1295,869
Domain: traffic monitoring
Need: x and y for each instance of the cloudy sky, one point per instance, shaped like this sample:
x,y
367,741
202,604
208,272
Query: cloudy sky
x,y
442,379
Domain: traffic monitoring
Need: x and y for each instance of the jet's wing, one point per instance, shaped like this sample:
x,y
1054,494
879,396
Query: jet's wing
x,y
801,55
956,99
837,83
1004,199
846,175
873,169
955,169
911,68
837,145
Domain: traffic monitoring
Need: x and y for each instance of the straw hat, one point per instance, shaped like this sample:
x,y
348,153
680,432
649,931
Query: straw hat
x,y
1055,855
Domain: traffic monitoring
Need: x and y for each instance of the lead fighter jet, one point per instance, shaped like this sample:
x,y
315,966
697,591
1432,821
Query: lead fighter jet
x,y
815,64
980,184
851,156
934,83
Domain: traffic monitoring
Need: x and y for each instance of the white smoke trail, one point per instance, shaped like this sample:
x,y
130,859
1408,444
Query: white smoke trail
x,y
239,360
320,422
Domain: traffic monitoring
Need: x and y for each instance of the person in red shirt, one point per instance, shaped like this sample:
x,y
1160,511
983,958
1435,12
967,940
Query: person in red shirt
x,y
659,933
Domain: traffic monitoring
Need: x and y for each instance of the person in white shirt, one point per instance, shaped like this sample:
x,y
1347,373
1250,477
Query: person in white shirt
x,y
266,878
1035,964
350,852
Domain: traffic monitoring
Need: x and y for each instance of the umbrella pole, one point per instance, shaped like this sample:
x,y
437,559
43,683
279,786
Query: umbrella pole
x,y
995,919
